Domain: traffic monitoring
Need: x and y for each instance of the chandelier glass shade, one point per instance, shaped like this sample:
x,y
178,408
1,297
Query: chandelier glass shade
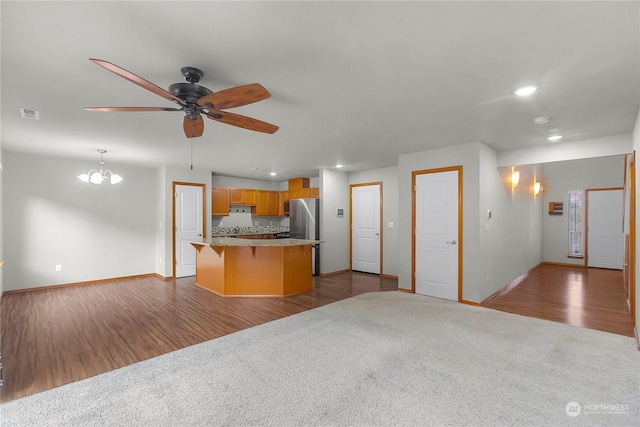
x,y
98,176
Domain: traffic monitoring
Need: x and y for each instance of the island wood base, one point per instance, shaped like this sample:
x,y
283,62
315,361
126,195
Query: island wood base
x,y
254,270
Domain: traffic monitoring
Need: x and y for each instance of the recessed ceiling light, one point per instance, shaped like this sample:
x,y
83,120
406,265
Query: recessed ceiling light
x,y
273,174
525,90
541,120
554,138
338,166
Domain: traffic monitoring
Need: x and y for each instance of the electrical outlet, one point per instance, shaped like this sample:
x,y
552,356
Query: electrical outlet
x,y
58,267
487,277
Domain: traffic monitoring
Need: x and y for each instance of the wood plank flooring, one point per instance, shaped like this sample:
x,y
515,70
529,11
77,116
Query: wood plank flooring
x,y
56,336
592,298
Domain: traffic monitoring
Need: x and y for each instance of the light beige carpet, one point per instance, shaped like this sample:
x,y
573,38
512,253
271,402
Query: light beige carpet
x,y
387,358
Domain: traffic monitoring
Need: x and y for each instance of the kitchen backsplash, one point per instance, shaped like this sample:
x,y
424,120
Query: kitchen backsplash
x,y
244,219
261,229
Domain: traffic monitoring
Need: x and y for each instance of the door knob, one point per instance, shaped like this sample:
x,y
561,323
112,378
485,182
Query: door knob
x,y
453,242
200,235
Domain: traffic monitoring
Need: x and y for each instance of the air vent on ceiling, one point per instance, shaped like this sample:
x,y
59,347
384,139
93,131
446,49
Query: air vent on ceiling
x,y
29,113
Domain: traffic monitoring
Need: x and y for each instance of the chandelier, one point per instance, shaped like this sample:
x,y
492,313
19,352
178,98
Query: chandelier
x,y
95,176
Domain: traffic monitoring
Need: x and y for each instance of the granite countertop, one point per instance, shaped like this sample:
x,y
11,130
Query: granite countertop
x,y
247,231
232,241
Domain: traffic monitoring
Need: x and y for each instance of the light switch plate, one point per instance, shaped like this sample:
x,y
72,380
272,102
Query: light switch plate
x,y
392,224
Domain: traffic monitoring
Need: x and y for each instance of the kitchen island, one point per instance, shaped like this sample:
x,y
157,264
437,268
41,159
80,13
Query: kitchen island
x,y
254,267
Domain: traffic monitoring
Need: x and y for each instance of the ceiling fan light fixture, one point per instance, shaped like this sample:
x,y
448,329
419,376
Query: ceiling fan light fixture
x,y
196,101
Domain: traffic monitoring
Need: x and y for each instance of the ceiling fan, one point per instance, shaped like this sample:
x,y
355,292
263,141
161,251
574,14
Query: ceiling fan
x,y
196,100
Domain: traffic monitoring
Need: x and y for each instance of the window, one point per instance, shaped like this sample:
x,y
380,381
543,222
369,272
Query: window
x,y
576,224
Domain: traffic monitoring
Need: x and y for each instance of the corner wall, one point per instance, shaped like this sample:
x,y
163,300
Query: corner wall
x,y
490,259
510,241
466,155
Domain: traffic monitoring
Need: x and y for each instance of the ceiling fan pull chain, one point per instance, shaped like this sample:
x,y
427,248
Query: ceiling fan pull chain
x,y
191,139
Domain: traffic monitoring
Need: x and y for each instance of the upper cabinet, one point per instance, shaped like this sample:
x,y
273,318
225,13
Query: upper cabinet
x,y
243,196
266,203
298,183
220,201
262,202
299,189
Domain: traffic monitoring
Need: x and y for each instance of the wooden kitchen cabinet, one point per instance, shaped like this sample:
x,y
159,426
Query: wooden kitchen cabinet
x,y
261,203
283,196
272,203
220,201
266,203
310,193
304,193
295,193
298,183
242,196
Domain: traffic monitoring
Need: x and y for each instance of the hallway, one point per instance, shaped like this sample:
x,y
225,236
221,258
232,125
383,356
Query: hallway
x,y
591,298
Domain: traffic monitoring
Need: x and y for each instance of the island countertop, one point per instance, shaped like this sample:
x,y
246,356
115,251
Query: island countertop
x,y
232,241
240,267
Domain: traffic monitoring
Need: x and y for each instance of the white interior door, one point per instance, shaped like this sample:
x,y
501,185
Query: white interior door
x,y
604,229
436,234
365,228
188,217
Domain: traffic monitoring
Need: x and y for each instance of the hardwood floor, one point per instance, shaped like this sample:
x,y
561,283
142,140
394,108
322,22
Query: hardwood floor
x,y
56,336
592,298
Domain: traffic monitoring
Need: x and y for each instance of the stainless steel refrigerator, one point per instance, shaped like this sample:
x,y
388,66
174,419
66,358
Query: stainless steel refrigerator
x,y
304,223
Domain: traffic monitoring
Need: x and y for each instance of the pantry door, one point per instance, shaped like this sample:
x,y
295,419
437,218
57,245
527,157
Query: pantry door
x,y
437,236
188,214
365,228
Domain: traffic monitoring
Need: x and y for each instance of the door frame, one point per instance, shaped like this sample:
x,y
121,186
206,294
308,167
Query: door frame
x,y
586,218
365,184
173,217
414,175
632,237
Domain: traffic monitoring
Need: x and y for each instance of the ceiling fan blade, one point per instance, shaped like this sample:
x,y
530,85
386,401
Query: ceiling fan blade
x,y
242,121
235,97
137,80
131,109
193,128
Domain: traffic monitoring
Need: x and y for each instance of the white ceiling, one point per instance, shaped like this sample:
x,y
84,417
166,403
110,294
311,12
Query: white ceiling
x,y
356,83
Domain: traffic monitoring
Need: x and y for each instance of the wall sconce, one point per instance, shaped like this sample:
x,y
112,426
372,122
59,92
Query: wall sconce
x,y
515,178
536,188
